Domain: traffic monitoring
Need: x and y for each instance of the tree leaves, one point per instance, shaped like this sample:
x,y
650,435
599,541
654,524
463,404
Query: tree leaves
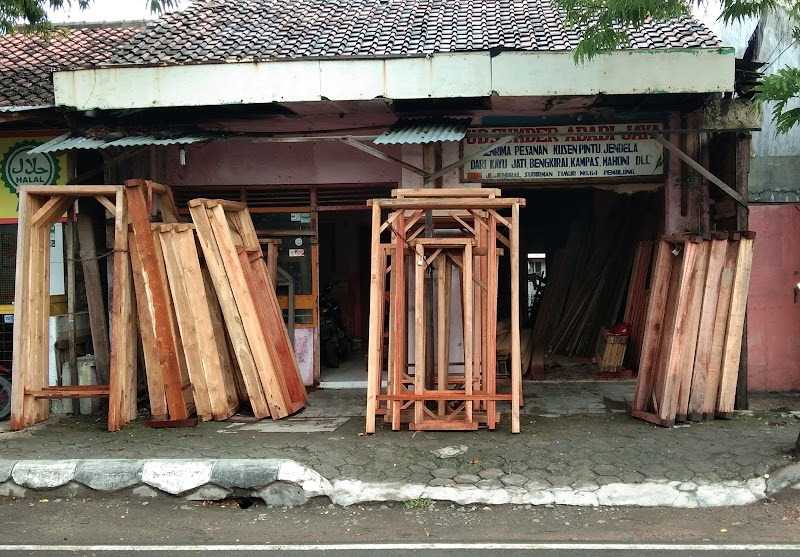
x,y
781,88
30,16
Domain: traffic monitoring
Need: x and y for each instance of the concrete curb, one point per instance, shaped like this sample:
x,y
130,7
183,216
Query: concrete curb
x,y
287,483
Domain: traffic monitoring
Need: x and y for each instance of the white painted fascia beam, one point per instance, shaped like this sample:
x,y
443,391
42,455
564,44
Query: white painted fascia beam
x,y
443,75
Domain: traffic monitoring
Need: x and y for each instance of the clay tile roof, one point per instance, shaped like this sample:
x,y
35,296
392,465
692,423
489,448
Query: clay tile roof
x,y
27,61
233,30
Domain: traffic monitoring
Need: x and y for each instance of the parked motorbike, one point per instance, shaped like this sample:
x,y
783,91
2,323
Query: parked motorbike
x,y
334,340
5,393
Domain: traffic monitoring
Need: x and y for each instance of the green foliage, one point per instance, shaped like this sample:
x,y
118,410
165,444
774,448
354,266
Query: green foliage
x,y
604,24
31,16
418,503
780,88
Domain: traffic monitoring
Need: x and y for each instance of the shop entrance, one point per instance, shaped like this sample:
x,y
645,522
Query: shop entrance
x,y
344,270
580,246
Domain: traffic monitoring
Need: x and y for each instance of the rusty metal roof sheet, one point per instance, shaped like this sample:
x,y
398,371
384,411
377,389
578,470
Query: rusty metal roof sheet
x,y
424,130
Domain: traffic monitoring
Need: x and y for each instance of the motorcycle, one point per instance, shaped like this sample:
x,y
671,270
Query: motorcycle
x,y
334,340
5,393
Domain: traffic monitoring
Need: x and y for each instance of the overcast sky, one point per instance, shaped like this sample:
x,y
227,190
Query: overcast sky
x,y
107,10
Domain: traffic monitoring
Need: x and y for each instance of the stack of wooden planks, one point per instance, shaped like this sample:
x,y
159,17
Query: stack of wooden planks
x,y
454,257
693,332
211,329
636,305
253,319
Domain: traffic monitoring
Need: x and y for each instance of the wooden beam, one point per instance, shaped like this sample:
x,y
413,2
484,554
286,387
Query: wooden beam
x,y
381,155
699,168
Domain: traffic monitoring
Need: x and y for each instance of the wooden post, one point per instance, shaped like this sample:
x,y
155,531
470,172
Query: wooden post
x,y
399,324
71,301
375,334
429,167
468,289
94,295
516,369
420,343
742,224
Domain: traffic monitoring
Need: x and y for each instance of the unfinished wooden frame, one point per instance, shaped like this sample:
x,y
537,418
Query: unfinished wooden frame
x,y
459,250
39,208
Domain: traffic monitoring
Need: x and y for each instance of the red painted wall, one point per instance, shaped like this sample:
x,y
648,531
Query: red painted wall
x,y
773,332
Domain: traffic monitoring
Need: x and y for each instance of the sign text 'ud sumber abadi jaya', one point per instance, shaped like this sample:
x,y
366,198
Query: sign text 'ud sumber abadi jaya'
x,y
563,152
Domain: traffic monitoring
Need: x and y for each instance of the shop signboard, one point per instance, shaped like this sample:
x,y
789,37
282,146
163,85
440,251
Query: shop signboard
x,y
558,153
19,168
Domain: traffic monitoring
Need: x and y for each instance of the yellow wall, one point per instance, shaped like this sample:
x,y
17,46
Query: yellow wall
x,y
17,168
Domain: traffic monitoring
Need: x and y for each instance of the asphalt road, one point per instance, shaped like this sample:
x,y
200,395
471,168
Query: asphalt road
x,y
107,526
420,549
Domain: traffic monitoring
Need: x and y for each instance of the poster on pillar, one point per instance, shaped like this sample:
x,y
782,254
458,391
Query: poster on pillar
x,y
20,168
575,152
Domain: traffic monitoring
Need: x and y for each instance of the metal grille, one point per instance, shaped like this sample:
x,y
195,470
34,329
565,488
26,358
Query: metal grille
x,y
264,198
353,196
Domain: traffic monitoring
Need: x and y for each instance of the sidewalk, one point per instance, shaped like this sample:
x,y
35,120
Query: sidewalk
x,y
578,446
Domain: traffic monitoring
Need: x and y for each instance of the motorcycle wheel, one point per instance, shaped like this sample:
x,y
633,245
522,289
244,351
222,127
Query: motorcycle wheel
x,y
5,398
331,354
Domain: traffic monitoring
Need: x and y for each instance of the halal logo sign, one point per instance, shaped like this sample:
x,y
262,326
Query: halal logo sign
x,y
19,168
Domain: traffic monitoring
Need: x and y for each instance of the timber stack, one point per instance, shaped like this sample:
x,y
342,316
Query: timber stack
x,y
693,331
209,323
441,263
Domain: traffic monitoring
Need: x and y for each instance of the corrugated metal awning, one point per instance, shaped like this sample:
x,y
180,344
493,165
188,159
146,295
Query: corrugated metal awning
x,y
25,108
424,130
68,141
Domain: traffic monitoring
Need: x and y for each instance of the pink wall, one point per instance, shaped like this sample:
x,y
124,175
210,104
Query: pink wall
x,y
277,163
773,331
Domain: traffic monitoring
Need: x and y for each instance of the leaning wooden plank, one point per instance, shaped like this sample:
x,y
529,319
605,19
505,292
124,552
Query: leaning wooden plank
x,y
153,375
516,369
681,339
289,368
187,316
158,305
122,371
695,293
720,328
276,330
278,363
706,333
233,319
733,337
94,297
651,336
232,376
267,372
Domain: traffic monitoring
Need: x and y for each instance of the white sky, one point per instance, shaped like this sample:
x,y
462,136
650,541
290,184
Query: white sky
x,y
106,10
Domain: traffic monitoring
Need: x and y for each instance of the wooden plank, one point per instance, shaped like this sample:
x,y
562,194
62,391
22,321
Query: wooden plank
x,y
656,309
695,292
53,209
468,288
289,370
24,301
735,329
449,204
375,335
188,316
267,372
490,363
155,379
439,193
419,331
442,326
107,203
399,324
720,328
74,191
76,391
233,319
706,329
122,381
232,377
158,306
516,371
681,336
94,297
